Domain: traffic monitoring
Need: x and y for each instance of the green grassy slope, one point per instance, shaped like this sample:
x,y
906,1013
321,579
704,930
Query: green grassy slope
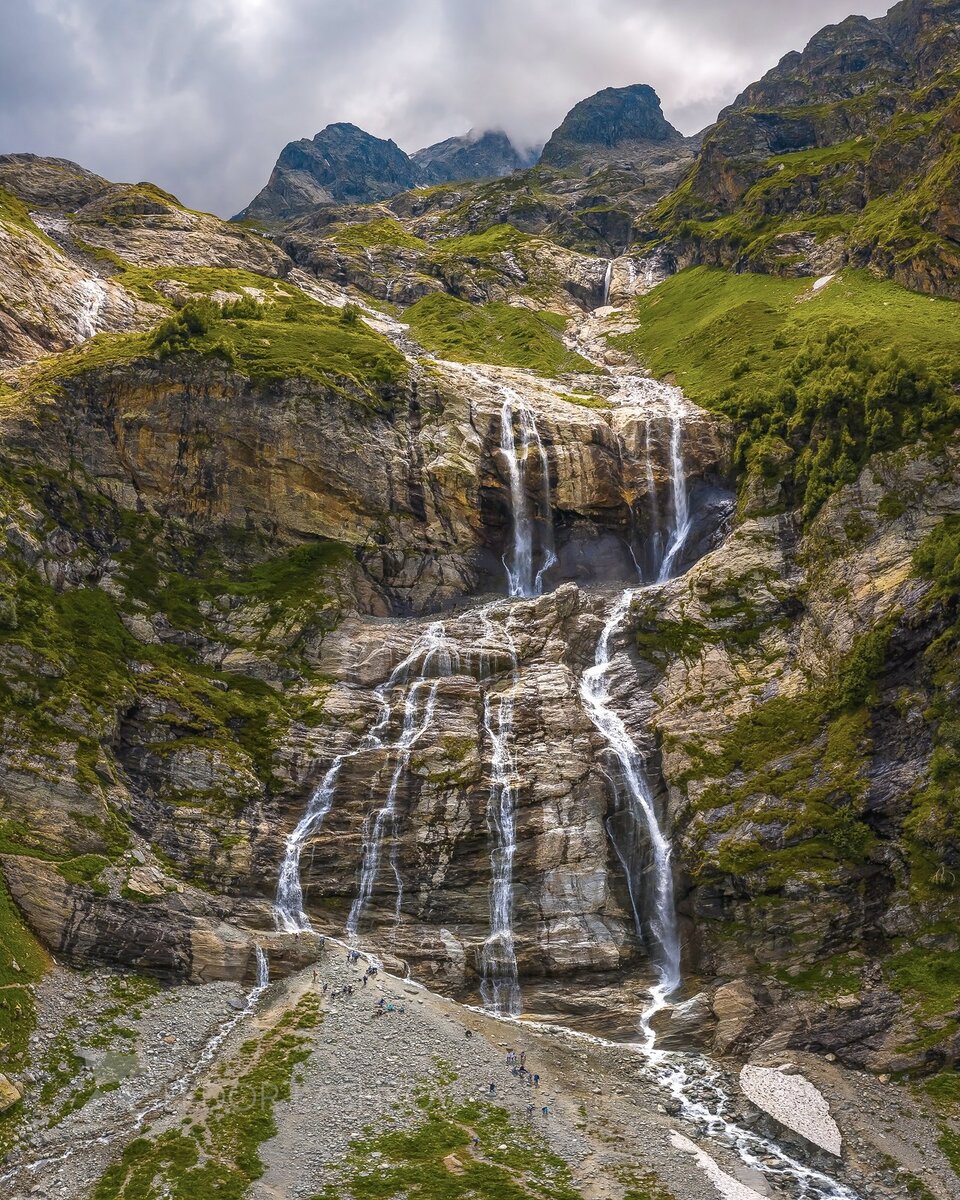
x,y
494,333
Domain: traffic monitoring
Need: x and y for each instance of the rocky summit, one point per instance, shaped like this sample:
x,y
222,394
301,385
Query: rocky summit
x,y
342,164
479,661
615,123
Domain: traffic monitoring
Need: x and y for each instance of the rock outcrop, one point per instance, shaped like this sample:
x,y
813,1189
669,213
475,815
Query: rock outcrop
x,y
344,165
851,143
475,155
617,124
340,164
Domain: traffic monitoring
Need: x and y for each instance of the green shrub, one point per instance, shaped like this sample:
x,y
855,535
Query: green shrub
x,y
186,327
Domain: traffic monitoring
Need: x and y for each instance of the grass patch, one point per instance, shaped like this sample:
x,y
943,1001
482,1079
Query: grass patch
x,y
949,1143
410,1164
933,827
798,764
14,214
494,333
716,331
476,247
944,1090
23,963
271,332
375,234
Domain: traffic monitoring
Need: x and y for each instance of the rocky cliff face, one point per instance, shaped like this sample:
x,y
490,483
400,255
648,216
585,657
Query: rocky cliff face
x,y
610,160
340,164
475,155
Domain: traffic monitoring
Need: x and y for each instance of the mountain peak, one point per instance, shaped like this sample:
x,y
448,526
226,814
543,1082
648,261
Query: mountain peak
x,y
477,154
612,123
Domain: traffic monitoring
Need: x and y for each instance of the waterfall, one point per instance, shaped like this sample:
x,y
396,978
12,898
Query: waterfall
x,y
700,1094
607,281
91,297
595,693
431,650
384,820
522,578
288,913
655,556
263,970
500,985
680,515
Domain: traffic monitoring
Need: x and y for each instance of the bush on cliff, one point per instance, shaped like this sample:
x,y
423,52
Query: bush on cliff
x,y
835,404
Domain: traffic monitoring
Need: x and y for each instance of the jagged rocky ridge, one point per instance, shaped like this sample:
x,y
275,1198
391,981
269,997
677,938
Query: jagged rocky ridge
x,y
342,164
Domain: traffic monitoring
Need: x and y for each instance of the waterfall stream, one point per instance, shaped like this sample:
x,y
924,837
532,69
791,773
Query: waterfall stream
x,y
91,297
524,579
607,281
595,694
680,505
436,658
691,1080
500,985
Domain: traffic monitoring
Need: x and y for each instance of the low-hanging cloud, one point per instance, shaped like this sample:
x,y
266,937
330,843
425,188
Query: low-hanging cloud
x,y
200,95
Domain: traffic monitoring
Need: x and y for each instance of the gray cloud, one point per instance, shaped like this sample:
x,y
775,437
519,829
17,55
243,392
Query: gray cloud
x,y
200,95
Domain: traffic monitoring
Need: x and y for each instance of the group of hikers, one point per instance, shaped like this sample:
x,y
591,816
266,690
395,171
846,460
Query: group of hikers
x,y
518,1068
353,958
517,1062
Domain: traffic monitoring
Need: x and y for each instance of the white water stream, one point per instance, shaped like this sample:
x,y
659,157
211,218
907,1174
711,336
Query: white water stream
x,y
607,281
91,297
435,658
524,577
500,984
383,821
691,1080
636,830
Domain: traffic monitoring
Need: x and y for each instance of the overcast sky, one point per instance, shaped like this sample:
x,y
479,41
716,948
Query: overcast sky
x,y
199,96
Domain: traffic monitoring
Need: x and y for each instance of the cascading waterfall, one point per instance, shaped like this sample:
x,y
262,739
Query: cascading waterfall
x,y
432,652
680,514
595,693
702,1101
288,913
91,297
500,984
698,1088
607,281
653,503
523,579
384,820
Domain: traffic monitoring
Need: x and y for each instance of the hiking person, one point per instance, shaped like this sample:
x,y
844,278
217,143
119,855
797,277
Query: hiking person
x,y
523,1058
546,1111
536,1081
493,1088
